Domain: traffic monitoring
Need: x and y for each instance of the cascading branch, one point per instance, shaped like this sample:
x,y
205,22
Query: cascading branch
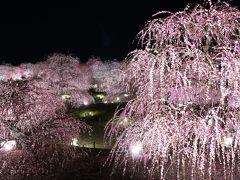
x,y
185,111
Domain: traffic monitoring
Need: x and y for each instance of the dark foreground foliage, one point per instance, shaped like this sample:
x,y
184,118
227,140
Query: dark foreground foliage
x,y
87,164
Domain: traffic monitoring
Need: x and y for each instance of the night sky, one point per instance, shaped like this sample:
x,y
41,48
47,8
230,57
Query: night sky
x,y
30,32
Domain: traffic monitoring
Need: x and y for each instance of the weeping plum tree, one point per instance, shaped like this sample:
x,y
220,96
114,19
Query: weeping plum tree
x,y
36,121
66,77
185,112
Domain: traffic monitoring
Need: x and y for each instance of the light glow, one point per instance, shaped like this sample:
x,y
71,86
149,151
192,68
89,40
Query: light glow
x,y
136,149
94,85
228,141
66,97
9,145
74,142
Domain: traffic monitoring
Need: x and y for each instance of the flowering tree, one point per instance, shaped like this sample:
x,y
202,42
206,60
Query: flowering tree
x,y
35,121
106,76
185,110
6,71
13,72
66,77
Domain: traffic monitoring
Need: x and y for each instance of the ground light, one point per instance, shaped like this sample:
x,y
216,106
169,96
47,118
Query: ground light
x,y
136,150
66,97
100,96
74,142
95,86
87,113
8,145
228,141
85,103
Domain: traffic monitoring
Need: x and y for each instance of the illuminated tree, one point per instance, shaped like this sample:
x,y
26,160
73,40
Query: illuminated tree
x,y
5,71
34,122
106,76
12,72
185,111
67,77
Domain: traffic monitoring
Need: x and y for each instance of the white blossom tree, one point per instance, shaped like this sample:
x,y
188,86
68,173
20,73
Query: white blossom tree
x,y
185,111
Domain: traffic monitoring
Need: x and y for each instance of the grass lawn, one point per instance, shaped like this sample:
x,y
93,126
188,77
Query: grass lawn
x,y
96,115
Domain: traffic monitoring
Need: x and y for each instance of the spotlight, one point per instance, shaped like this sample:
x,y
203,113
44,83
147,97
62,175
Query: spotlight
x,y
136,150
8,145
74,142
228,141
66,97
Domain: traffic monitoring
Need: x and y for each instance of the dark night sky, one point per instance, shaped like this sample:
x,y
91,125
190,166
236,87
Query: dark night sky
x,y
30,32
